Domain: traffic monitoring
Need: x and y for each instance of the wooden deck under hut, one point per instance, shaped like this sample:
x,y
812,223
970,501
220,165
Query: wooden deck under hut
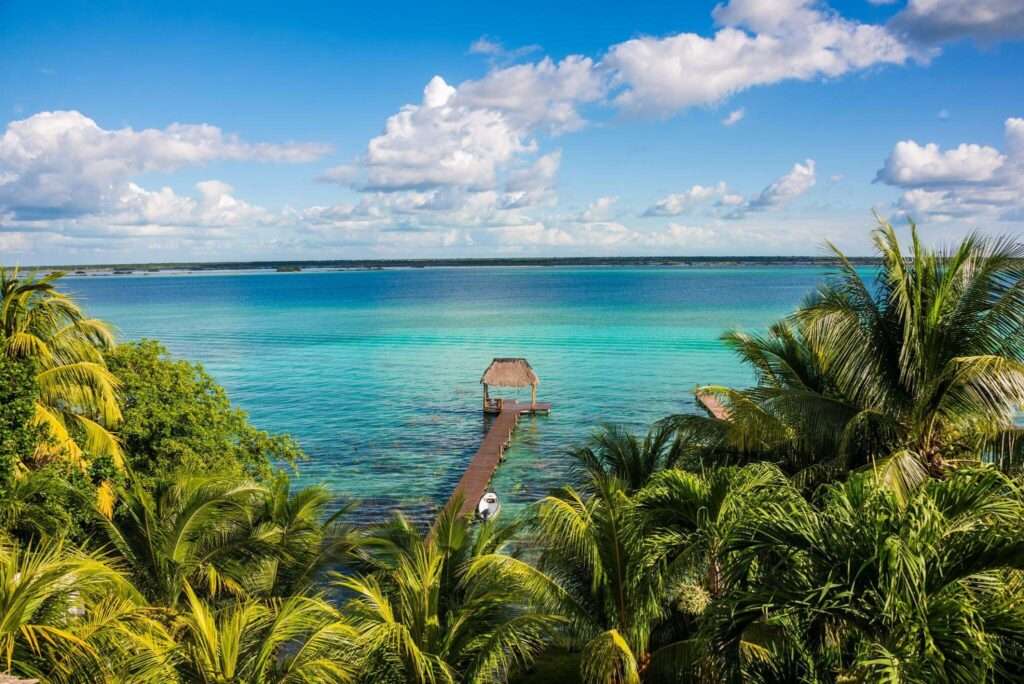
x,y
514,373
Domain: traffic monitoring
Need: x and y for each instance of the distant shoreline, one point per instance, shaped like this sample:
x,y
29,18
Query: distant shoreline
x,y
380,264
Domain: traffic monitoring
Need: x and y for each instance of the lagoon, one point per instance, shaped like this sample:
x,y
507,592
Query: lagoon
x,y
376,372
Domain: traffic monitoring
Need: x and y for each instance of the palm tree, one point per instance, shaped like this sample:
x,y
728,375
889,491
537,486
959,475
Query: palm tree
x,y
203,530
420,618
864,586
297,640
609,580
77,401
28,508
308,540
708,510
69,616
913,374
615,453
633,572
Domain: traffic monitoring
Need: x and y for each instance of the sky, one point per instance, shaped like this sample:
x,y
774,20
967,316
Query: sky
x,y
214,131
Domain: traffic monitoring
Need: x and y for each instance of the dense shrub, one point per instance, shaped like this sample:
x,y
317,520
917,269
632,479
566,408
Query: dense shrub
x,y
176,417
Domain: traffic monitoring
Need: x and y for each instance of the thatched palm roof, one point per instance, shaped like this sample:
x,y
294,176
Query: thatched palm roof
x,y
512,372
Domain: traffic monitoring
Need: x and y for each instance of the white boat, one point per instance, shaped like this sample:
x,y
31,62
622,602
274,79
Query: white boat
x,y
488,506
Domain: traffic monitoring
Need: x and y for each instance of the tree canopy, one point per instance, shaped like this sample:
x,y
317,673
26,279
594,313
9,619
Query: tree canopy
x,y
176,417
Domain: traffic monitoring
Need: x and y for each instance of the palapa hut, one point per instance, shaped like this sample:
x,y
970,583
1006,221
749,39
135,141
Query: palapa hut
x,y
508,372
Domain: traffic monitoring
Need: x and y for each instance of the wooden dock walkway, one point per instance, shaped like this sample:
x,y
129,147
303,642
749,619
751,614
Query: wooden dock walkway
x,y
480,470
712,405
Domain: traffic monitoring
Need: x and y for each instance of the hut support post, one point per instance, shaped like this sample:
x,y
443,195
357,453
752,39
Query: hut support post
x,y
533,396
485,396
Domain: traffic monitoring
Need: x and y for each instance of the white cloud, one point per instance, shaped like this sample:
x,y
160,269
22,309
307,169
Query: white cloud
x,y
910,164
439,143
984,21
598,210
779,192
534,184
495,50
542,95
682,238
485,46
760,42
734,117
799,180
532,235
474,135
470,153
64,163
967,182
678,203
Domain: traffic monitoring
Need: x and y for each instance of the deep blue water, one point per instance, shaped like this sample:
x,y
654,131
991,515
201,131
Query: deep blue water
x,y
376,373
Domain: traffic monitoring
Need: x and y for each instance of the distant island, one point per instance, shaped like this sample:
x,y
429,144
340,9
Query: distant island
x,y
378,264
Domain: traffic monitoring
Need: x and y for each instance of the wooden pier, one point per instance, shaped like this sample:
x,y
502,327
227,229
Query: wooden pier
x,y
480,470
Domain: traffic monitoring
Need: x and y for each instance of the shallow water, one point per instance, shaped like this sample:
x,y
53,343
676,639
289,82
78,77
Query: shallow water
x,y
376,373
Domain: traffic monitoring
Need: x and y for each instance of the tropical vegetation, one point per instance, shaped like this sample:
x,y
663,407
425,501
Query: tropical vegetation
x,y
855,516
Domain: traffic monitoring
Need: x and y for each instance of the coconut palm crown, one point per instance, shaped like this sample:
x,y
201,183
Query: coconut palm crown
x,y
77,404
914,373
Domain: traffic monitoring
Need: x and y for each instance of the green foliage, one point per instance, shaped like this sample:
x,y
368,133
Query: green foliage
x,y
225,537
67,615
614,453
51,498
76,401
421,616
862,586
176,417
913,374
298,640
18,437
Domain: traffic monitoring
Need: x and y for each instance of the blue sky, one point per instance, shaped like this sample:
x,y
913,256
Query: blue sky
x,y
213,131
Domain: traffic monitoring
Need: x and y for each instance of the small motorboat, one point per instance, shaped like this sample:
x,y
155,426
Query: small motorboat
x,y
488,507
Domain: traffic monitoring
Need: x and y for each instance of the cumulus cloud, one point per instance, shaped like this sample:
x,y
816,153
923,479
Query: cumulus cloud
x,y
968,181
759,42
216,206
734,117
64,164
534,184
799,180
678,203
910,164
471,152
598,210
544,95
479,136
984,21
779,192
439,143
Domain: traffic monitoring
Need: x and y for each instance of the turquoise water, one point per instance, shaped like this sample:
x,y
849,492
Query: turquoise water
x,y
376,373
